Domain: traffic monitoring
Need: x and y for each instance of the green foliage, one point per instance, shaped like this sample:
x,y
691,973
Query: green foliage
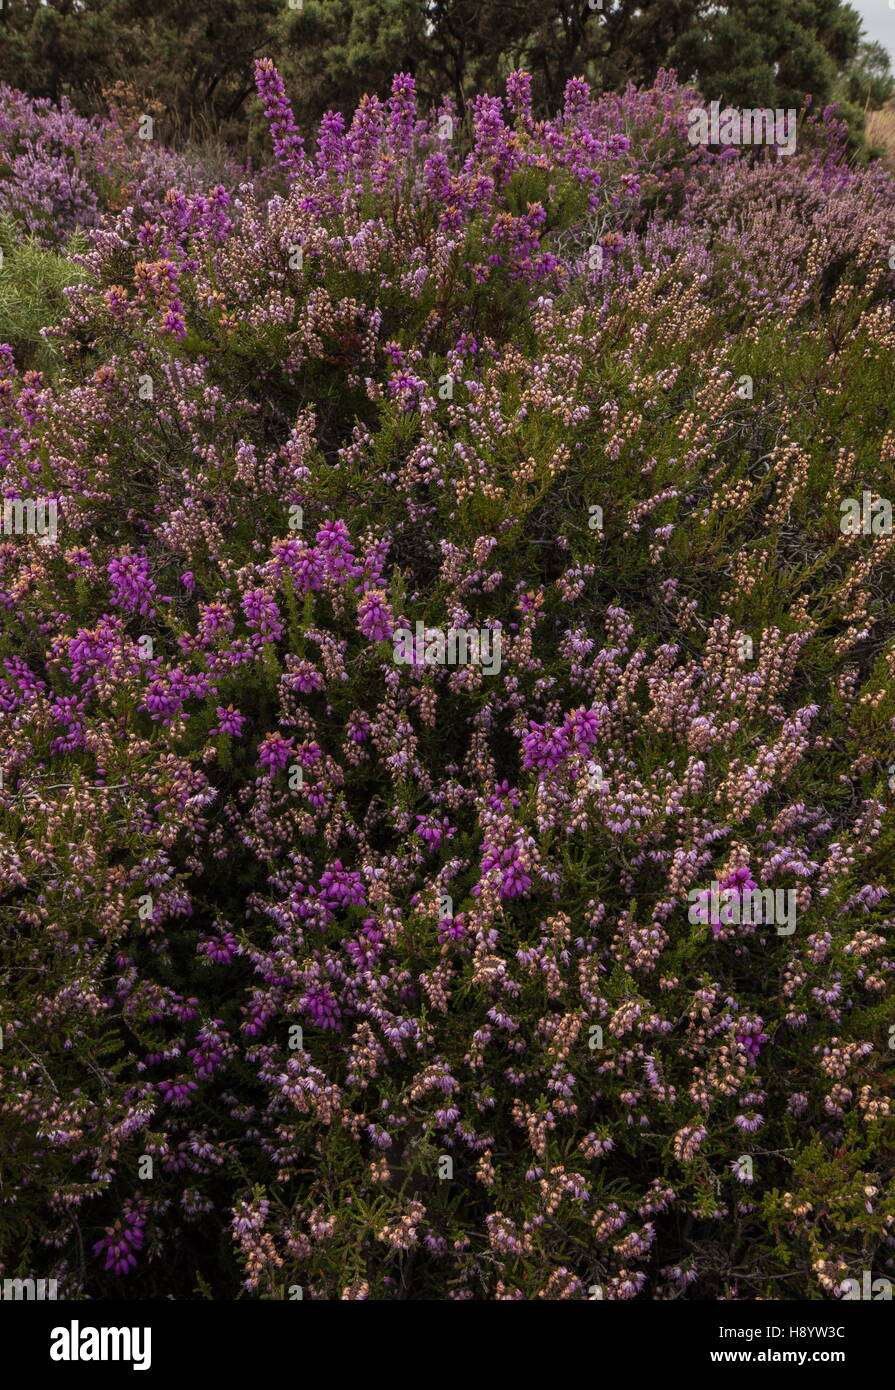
x,y
196,62
867,81
31,284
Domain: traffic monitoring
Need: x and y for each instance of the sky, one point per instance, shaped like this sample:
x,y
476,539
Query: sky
x,y
879,21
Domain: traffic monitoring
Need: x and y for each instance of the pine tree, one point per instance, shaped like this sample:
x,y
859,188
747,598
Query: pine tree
x,y
768,52
197,60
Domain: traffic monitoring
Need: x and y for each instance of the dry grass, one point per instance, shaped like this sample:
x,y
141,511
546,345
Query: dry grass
x,y
881,128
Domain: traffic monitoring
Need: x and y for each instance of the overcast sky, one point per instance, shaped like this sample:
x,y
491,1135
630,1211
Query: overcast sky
x,y
879,22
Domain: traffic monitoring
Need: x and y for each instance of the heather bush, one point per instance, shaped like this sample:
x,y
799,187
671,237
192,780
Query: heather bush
x,y
60,171
328,963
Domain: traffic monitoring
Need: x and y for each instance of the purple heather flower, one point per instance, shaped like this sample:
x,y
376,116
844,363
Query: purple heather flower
x,y
334,545
287,141
123,1238
375,618
331,151
739,882
321,1007
304,677
262,614
177,1092
752,1042
174,322
230,721
434,832
220,949
519,96
340,886
544,747
357,729
452,928
132,585
583,725
212,1048
274,753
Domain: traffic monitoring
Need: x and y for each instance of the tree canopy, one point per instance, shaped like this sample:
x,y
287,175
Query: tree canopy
x,y
196,62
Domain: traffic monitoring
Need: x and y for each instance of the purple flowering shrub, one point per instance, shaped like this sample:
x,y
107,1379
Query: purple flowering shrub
x,y
330,961
60,171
